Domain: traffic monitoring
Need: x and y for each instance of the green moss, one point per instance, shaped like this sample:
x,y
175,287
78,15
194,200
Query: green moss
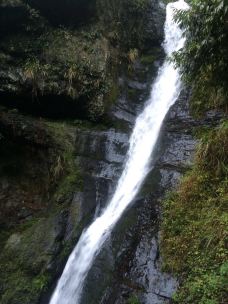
x,y
19,285
72,181
125,21
154,54
195,221
65,164
112,95
148,59
133,300
24,275
23,290
40,282
21,277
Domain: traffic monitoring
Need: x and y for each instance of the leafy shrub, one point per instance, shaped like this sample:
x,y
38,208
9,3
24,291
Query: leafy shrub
x,y
127,20
35,73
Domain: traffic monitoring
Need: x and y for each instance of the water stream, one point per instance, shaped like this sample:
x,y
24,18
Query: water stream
x,y
164,92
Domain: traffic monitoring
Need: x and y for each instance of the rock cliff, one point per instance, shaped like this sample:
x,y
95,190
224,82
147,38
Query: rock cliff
x,y
70,89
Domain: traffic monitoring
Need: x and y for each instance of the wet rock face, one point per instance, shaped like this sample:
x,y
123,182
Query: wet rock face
x,y
155,25
52,223
43,226
26,150
129,265
100,156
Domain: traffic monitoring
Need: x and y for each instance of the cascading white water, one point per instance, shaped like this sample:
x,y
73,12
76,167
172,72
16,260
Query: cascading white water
x,y
164,93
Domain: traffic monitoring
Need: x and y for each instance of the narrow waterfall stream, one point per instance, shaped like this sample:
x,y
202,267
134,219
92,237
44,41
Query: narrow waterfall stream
x,y
164,92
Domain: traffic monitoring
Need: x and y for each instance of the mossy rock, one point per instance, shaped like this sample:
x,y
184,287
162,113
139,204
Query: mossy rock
x,y
194,220
35,249
24,274
55,77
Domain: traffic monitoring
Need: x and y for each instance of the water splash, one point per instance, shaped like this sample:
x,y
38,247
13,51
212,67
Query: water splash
x,y
164,93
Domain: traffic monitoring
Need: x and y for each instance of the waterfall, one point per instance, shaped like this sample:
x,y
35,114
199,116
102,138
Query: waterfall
x,y
164,92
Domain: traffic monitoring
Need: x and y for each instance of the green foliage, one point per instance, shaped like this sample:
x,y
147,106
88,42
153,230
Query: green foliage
x,y
127,20
40,282
36,73
72,180
204,59
211,157
82,71
74,62
194,228
64,169
25,275
19,280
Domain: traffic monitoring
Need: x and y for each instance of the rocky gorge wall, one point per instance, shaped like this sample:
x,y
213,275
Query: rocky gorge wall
x,y
63,136
68,69
129,267
70,91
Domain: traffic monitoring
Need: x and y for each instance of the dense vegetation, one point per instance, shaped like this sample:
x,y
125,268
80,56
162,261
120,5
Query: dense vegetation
x,y
194,235
127,22
204,60
194,227
65,55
